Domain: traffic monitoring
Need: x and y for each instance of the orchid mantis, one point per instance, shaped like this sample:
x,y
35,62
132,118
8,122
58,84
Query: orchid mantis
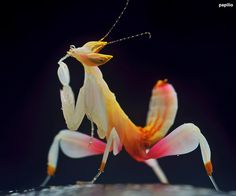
x,y
97,102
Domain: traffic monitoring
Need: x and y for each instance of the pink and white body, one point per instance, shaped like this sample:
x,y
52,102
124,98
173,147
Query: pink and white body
x,y
99,104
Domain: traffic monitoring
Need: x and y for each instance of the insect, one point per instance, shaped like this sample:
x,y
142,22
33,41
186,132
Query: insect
x,y
97,102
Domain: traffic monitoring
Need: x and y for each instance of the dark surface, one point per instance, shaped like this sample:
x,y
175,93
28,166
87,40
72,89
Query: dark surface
x,y
193,45
123,190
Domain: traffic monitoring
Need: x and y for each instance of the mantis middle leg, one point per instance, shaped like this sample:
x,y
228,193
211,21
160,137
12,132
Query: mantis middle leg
x,y
111,140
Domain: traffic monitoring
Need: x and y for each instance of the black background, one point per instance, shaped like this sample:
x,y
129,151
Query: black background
x,y
193,45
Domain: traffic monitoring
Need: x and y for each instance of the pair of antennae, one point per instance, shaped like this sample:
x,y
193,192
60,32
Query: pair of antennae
x,y
131,37
115,41
125,38
117,20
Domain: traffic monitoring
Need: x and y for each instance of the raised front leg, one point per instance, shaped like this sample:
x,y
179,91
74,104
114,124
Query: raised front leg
x,y
73,113
112,144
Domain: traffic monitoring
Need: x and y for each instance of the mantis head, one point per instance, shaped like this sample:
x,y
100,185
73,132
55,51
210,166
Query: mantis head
x,y
88,54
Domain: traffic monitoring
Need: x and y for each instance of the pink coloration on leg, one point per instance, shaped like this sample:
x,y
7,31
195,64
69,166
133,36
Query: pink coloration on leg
x,y
162,111
181,141
76,145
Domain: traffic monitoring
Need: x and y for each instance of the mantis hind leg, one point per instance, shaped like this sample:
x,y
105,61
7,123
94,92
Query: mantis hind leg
x,y
183,140
153,163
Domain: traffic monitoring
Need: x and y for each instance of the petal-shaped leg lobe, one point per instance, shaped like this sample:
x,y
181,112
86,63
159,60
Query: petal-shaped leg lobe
x,y
74,145
77,145
183,140
180,141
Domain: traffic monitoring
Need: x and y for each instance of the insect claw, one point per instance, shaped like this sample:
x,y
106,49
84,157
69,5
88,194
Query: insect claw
x,y
45,181
214,183
96,177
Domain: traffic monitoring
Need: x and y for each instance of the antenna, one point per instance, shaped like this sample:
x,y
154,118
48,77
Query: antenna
x,y
117,20
131,37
